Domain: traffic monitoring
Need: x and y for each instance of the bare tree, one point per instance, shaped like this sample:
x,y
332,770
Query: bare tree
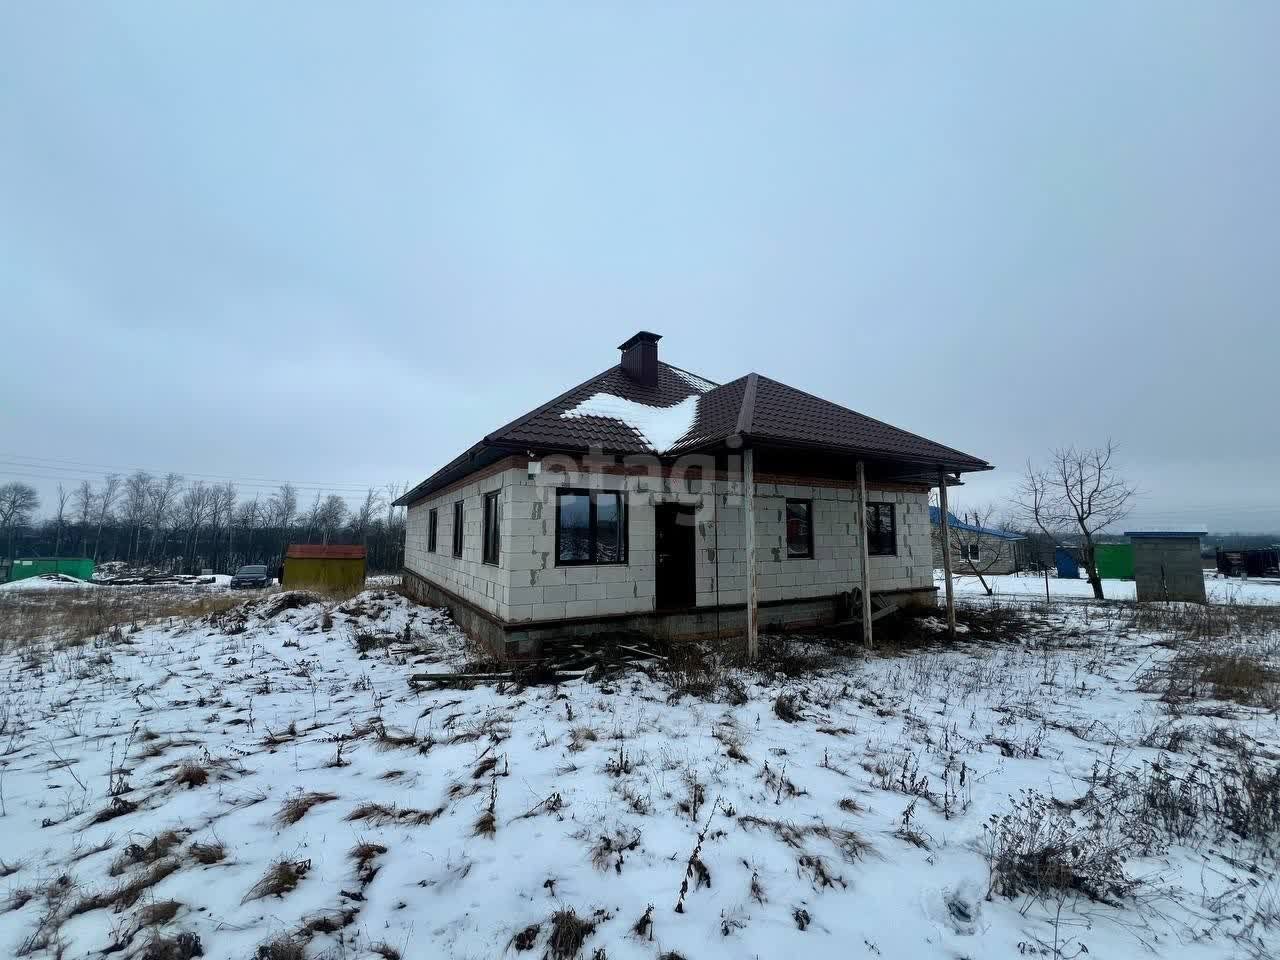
x,y
137,498
193,511
59,519
162,496
106,502
364,515
17,502
283,507
82,505
1079,492
333,510
975,549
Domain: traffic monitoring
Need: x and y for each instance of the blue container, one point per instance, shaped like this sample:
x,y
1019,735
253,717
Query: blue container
x,y
1065,561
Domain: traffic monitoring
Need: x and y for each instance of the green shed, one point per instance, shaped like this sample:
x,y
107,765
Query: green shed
x,y
79,567
317,566
1115,560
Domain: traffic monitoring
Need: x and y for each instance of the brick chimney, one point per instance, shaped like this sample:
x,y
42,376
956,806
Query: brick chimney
x,y
640,358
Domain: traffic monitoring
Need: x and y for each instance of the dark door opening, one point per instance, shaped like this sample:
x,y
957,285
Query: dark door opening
x,y
676,562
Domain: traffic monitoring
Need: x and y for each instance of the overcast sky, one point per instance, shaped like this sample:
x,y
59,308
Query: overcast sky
x,y
339,243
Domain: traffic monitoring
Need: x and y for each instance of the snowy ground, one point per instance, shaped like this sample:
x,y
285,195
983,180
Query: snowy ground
x,y
267,773
1265,591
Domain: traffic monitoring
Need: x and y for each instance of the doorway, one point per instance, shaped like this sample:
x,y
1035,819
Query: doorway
x,y
676,560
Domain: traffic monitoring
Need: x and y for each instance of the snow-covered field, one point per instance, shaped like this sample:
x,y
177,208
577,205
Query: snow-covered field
x,y
1089,777
1218,590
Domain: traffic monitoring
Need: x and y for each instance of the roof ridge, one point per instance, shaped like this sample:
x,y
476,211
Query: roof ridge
x,y
747,411
690,373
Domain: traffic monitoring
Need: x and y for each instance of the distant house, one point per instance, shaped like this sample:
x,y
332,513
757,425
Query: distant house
x,y
647,498
985,549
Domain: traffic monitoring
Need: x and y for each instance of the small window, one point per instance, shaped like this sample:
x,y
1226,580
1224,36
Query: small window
x,y
971,552
457,529
433,521
492,526
799,529
882,530
591,527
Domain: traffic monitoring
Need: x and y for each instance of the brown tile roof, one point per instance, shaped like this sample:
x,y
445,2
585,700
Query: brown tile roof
x,y
751,406
323,551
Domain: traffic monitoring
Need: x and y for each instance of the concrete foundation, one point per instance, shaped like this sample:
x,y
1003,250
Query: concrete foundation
x,y
525,639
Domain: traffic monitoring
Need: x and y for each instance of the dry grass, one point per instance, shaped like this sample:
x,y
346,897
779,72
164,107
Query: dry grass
x,y
159,913
68,618
135,853
207,853
127,893
191,775
184,946
281,877
381,814
364,853
568,933
281,948
1247,674
297,807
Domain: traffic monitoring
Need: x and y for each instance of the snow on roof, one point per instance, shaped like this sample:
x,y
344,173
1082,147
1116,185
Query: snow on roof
x,y
702,386
658,427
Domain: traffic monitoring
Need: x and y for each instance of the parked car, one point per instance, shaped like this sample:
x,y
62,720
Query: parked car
x,y
251,576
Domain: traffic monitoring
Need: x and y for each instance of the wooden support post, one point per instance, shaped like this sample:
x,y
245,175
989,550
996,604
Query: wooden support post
x,y
865,554
749,525
944,523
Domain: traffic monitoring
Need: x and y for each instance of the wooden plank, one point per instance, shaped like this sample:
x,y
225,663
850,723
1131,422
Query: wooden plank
x,y
749,521
944,531
864,553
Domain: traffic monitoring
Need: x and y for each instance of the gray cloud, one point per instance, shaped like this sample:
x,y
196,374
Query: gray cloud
x,y
339,245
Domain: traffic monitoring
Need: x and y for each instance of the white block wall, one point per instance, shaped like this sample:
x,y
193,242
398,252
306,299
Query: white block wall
x,y
527,585
483,584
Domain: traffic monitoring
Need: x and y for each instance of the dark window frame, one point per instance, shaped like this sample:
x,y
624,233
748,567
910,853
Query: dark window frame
x,y
876,545
491,542
459,518
433,529
786,534
592,496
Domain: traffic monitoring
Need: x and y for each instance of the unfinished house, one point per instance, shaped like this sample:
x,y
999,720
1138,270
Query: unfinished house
x,y
650,499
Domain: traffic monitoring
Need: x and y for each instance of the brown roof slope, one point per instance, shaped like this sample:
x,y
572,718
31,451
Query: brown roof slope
x,y
752,406
546,427
787,415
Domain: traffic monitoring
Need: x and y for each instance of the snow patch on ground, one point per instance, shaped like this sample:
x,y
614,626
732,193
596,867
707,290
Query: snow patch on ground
x,y
47,581
269,771
658,427
1222,591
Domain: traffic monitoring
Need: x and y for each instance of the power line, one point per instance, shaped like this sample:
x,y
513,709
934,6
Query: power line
x,y
345,495
55,463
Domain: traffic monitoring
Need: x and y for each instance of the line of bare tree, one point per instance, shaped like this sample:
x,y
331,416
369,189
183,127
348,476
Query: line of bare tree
x,y
169,524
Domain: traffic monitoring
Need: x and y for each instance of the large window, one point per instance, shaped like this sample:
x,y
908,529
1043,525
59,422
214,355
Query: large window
x,y
882,530
591,527
457,529
799,529
492,526
433,522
